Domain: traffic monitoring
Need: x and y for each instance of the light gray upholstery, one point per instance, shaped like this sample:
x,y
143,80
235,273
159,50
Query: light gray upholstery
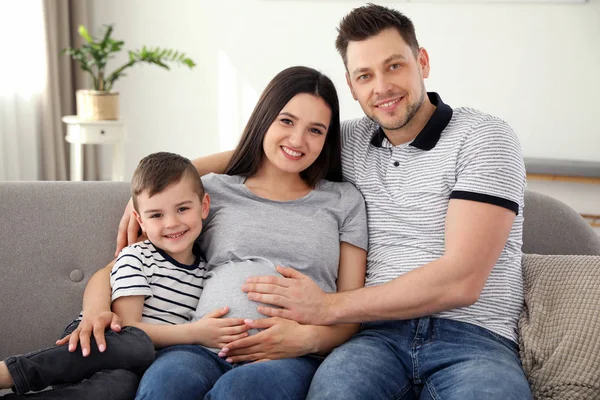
x,y
55,233
53,237
552,227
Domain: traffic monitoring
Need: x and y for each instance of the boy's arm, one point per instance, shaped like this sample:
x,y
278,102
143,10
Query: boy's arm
x,y
211,331
129,308
97,315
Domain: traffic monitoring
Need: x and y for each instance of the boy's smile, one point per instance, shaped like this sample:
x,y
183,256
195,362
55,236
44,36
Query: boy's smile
x,y
172,219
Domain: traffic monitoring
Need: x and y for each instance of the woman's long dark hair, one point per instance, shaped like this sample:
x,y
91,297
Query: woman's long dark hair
x,y
249,153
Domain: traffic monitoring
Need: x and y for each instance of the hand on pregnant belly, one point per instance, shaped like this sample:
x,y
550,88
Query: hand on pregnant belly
x,y
279,338
214,331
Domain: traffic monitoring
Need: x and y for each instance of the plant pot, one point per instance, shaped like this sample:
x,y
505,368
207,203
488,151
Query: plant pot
x,y
95,105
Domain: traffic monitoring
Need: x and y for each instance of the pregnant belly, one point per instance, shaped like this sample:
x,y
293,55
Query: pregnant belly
x,y
223,288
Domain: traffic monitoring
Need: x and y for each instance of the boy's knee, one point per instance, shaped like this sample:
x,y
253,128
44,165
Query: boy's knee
x,y
138,347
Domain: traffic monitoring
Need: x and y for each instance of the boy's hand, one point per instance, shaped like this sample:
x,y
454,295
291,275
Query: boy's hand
x,y
214,331
92,325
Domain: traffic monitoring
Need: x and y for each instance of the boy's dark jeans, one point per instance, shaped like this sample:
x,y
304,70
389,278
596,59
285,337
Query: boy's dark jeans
x,y
112,374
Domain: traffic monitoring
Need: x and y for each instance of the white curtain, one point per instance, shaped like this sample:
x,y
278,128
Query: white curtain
x,y
22,81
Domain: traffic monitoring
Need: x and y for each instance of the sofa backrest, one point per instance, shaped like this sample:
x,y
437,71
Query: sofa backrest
x,y
552,227
55,235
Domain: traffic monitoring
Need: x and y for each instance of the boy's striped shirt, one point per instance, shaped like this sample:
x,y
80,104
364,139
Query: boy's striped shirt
x,y
171,289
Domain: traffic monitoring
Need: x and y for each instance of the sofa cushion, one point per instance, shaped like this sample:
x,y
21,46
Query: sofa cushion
x,y
560,326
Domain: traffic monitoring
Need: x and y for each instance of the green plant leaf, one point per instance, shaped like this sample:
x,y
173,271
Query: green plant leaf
x,y
84,34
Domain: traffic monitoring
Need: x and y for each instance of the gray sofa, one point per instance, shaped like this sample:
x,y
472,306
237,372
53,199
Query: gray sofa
x,y
54,235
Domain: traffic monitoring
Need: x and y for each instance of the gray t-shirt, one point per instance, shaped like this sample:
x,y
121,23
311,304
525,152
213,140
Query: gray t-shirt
x,y
246,235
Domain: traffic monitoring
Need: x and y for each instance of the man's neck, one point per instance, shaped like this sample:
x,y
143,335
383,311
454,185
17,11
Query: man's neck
x,y
411,130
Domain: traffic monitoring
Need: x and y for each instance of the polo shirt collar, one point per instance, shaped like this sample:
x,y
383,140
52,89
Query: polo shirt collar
x,y
431,132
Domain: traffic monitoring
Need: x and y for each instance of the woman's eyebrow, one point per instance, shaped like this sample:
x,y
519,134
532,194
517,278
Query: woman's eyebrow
x,y
289,115
292,116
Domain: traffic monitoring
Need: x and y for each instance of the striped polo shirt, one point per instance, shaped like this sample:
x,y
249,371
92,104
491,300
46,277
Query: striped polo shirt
x,y
460,153
171,289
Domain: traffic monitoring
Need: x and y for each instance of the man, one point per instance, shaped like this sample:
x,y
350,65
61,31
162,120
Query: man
x,y
444,191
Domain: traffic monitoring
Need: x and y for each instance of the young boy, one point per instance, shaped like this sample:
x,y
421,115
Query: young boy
x,y
156,285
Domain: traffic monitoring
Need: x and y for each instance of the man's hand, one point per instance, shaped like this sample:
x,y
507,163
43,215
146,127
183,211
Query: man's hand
x,y
281,338
94,324
129,229
299,297
214,331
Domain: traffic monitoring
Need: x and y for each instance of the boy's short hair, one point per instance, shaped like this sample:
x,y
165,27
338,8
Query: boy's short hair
x,y
370,20
158,170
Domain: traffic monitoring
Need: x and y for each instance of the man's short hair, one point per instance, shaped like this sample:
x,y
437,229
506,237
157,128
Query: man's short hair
x,y
367,21
157,171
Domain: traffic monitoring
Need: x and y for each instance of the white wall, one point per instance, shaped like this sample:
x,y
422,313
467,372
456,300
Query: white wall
x,y
536,65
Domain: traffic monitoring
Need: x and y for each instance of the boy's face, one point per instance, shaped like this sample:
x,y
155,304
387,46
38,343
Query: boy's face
x,y
172,219
386,78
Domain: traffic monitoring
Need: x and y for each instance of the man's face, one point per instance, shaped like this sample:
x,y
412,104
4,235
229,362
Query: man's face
x,y
387,79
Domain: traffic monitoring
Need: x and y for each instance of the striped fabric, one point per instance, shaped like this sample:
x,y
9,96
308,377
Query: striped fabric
x,y
461,153
171,289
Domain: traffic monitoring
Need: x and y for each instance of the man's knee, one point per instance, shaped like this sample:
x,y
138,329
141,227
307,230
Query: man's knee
x,y
491,380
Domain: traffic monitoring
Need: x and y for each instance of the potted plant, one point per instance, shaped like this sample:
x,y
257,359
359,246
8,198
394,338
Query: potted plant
x,y
92,56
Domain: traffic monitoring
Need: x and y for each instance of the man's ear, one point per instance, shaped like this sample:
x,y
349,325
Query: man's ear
x,y
205,205
423,60
350,86
139,220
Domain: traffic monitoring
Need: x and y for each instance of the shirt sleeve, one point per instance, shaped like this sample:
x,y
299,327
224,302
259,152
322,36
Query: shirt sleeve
x,y
354,226
348,148
128,276
490,167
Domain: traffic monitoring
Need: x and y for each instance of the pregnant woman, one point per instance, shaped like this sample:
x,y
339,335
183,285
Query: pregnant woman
x,y
280,202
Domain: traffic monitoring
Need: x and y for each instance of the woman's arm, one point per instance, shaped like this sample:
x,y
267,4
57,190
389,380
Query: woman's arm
x,y
283,338
214,163
97,315
351,275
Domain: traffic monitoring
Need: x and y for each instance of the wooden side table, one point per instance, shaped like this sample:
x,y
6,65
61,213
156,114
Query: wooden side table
x,y
80,132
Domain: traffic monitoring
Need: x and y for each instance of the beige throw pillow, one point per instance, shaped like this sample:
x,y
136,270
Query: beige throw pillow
x,y
560,326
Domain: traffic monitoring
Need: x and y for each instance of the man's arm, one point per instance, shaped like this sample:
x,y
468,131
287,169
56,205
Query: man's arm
x,y
475,236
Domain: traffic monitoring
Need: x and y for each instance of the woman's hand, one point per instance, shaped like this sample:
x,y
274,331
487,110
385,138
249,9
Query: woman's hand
x,y
214,331
92,324
129,229
281,338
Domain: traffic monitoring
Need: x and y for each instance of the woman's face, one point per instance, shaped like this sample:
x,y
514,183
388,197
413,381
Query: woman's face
x,y
297,135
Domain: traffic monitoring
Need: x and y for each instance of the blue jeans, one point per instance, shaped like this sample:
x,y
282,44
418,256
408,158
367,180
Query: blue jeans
x,y
193,372
425,358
